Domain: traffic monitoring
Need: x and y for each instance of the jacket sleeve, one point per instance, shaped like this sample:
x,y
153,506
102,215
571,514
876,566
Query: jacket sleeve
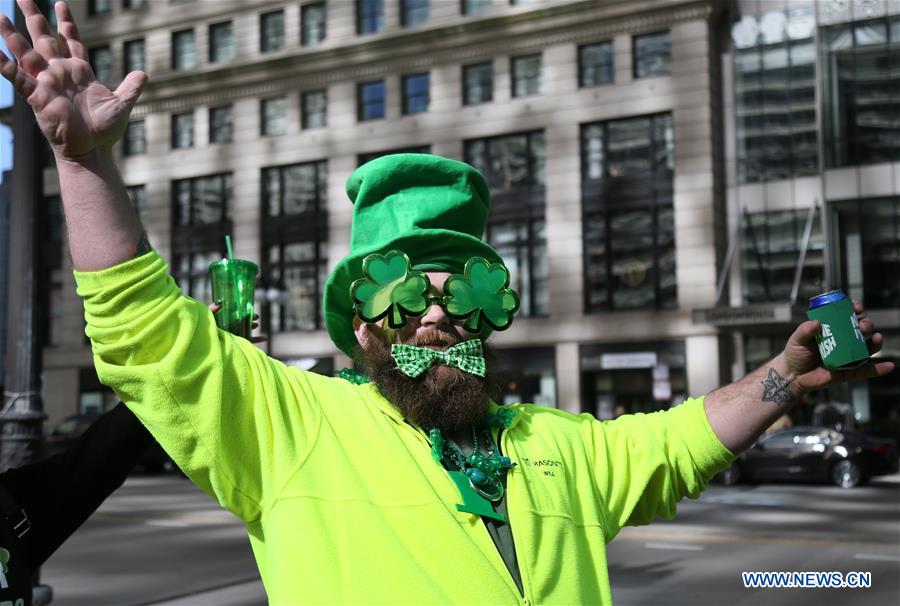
x,y
646,463
234,420
59,493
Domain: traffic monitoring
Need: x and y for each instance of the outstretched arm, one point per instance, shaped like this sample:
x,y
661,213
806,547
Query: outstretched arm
x,y
81,119
741,411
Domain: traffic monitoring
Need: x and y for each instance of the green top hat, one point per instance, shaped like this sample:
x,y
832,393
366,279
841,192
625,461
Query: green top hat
x,y
433,209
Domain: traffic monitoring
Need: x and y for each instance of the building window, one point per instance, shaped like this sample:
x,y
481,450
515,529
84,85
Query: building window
x,y
369,16
513,166
138,196
200,223
369,156
101,61
628,214
99,7
526,75
184,53
414,12
522,242
869,246
134,142
314,109
527,375
133,4
652,55
415,93
478,83
221,42
295,254
370,101
221,124
510,161
775,97
475,7
183,130
312,24
271,31
273,116
133,56
861,81
770,250
595,64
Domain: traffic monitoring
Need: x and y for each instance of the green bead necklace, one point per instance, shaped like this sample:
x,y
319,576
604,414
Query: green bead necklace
x,y
485,473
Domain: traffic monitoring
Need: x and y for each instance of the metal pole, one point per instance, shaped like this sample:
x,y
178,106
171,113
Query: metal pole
x,y
729,257
807,232
22,413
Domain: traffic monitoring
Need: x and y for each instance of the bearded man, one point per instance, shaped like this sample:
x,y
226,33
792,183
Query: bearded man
x,y
412,487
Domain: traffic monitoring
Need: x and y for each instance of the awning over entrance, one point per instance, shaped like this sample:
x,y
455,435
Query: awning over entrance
x,y
746,316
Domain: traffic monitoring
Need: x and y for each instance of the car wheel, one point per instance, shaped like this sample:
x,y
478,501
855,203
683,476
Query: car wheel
x,y
846,474
730,476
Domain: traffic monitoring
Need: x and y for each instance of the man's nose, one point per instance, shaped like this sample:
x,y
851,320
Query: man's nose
x,y
436,316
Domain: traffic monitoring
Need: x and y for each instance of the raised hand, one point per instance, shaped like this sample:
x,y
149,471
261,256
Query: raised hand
x,y
802,356
74,110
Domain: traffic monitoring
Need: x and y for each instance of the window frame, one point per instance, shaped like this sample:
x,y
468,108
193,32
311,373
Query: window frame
x,y
282,229
360,104
408,99
176,117
634,54
262,31
180,35
610,195
305,11
515,79
466,69
581,64
215,51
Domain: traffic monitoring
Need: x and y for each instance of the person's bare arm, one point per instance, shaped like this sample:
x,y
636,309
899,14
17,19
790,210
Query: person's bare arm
x,y
81,119
741,411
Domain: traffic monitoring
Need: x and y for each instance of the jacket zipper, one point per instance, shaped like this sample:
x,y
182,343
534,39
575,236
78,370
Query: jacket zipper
x,y
420,435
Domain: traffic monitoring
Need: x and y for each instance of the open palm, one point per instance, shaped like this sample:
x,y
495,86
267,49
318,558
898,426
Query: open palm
x,y
73,109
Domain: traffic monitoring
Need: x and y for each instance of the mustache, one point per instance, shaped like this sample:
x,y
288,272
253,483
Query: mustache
x,y
435,337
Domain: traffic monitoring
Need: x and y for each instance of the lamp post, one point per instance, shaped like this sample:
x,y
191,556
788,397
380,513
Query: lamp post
x,y
22,413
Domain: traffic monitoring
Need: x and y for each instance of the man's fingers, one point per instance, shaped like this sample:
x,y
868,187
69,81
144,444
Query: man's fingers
x,y
805,334
130,88
875,343
64,49
39,30
857,306
22,82
65,25
29,60
867,371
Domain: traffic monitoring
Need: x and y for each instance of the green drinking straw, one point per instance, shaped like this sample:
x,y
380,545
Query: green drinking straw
x,y
228,246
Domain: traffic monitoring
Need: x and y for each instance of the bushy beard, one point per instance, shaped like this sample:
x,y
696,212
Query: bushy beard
x,y
444,397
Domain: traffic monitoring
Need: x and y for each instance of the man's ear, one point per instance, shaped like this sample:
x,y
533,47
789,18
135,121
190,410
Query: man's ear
x,y
367,333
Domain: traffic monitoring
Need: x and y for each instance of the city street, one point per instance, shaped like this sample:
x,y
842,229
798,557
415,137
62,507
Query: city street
x,y
162,541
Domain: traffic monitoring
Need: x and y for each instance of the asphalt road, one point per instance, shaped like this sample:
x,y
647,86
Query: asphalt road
x,y
162,541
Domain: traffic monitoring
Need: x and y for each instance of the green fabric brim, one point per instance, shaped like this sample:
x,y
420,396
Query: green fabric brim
x,y
443,247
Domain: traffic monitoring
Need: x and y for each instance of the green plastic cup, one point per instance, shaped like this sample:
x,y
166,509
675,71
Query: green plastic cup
x,y
233,282
841,343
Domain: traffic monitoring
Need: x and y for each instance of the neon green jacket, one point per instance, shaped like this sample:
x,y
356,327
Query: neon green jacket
x,y
341,498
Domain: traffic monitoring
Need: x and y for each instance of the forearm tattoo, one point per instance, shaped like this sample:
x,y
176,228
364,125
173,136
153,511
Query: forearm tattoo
x,y
143,245
777,389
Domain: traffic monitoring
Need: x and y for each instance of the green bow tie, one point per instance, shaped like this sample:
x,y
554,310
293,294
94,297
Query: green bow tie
x,y
413,361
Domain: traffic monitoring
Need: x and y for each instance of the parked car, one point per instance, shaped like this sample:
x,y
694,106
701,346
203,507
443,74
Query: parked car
x,y
846,458
62,435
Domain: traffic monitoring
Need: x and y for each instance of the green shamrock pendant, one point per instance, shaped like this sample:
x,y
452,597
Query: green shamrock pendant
x,y
481,296
390,288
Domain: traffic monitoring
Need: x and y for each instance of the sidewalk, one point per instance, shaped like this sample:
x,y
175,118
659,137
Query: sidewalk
x,y
242,593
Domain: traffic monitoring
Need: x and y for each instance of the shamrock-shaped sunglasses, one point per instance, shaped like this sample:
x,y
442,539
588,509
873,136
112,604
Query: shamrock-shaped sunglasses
x,y
391,288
